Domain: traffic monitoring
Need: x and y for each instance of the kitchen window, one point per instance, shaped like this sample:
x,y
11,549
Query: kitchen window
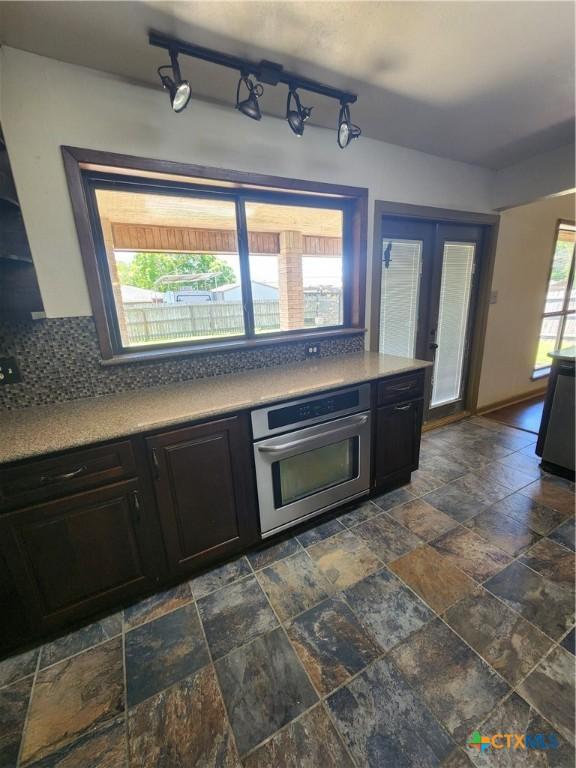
x,y
558,329
179,259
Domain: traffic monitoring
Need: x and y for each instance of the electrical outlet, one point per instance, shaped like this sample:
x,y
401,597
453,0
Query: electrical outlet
x,y
313,350
9,373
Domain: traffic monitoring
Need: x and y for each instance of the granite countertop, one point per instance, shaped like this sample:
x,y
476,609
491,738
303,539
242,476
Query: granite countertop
x,y
568,353
30,432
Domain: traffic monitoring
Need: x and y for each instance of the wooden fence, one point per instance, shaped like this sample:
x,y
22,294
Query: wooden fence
x,y
147,323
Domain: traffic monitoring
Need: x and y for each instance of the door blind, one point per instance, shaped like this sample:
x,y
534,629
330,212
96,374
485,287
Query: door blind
x,y
455,292
399,295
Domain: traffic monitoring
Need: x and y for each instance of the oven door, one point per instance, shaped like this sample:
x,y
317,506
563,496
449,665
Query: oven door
x,y
303,473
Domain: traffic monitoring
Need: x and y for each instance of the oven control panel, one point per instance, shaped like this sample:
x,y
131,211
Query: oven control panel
x,y
309,410
289,415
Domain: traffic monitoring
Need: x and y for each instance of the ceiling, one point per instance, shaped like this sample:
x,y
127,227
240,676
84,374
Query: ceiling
x,y
174,211
490,83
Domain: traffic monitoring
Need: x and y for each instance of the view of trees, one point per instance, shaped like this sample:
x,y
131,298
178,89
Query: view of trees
x,y
562,261
145,269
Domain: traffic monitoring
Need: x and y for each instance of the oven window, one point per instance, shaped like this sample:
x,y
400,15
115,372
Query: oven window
x,y
305,474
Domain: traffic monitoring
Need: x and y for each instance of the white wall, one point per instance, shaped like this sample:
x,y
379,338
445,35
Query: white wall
x,y
521,269
45,103
543,175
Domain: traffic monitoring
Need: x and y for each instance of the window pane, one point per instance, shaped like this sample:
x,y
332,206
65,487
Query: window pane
x,y
174,266
569,334
547,342
559,274
399,294
295,266
455,290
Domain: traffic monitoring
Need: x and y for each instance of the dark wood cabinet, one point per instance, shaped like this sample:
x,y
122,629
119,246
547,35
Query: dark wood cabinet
x,y
15,623
78,555
41,480
204,491
397,443
89,530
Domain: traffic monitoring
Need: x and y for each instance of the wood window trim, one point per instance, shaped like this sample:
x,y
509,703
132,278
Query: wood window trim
x,y
75,159
544,371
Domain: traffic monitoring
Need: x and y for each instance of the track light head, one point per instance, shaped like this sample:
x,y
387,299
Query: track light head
x,y
296,114
347,131
179,90
249,106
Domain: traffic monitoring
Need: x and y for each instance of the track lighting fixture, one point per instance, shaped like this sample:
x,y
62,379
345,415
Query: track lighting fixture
x,y
346,128
178,89
297,115
252,76
249,106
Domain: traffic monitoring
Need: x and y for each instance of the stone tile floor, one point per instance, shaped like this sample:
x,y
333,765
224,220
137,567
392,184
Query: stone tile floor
x,y
382,636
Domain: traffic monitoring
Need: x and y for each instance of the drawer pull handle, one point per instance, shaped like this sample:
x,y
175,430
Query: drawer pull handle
x,y
403,407
401,387
64,476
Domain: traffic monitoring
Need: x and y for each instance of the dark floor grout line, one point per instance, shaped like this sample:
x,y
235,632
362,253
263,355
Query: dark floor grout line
x,y
379,658
128,629
285,727
215,673
330,716
25,722
303,667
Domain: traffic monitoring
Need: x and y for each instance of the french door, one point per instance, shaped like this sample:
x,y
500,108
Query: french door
x,y
428,300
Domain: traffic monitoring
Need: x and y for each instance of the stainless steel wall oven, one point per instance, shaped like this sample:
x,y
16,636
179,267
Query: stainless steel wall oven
x,y
311,455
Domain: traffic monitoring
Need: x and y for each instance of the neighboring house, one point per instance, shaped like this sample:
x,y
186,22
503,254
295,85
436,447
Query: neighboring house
x,y
131,294
233,292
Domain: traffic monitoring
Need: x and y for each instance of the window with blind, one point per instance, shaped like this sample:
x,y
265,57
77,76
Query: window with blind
x,y
455,293
399,296
558,329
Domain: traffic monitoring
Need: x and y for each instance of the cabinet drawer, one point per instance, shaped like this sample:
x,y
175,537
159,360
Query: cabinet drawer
x,y
408,387
35,481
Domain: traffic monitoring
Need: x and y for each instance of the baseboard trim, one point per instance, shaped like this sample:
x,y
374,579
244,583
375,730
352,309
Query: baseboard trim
x,y
532,395
446,420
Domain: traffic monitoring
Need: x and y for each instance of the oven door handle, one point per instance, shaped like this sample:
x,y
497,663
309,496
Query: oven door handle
x,y
355,421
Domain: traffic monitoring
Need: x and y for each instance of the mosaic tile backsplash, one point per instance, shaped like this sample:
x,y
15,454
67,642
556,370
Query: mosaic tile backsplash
x,y
59,359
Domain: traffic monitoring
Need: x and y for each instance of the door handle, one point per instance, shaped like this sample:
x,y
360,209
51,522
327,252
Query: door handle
x,y
136,505
155,463
433,346
357,421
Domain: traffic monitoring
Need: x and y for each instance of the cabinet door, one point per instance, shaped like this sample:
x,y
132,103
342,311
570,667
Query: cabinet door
x,y
75,556
204,491
397,441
